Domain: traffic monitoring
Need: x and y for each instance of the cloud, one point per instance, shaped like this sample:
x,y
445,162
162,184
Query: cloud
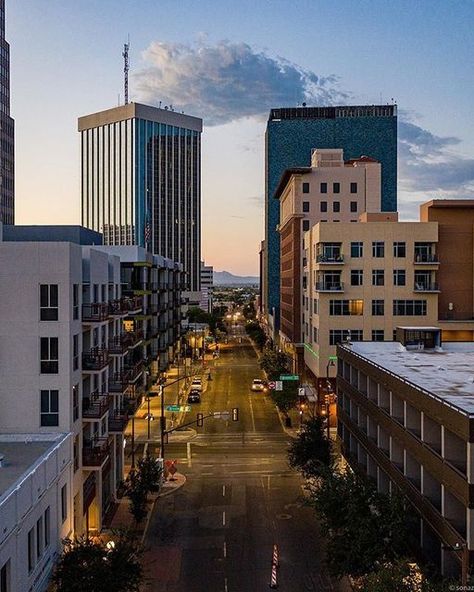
x,y
228,81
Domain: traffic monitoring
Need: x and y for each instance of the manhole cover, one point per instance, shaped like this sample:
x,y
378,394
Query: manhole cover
x,y
283,516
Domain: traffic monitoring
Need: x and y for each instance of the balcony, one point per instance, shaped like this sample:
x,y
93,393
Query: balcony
x,y
95,452
95,360
425,259
95,406
330,259
96,312
118,307
135,337
88,491
118,346
118,382
133,304
134,371
118,421
426,287
329,287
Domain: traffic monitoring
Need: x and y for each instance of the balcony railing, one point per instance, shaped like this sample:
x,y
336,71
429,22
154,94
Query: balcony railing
x,y
331,259
119,344
118,421
329,286
95,452
95,359
96,312
134,371
95,405
118,307
118,382
133,303
135,336
426,258
426,287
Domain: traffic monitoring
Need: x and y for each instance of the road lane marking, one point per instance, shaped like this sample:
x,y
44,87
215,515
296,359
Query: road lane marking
x,y
223,491
223,518
225,585
225,549
251,414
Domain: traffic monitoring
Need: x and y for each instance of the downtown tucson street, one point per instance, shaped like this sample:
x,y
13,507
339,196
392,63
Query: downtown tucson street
x,y
218,531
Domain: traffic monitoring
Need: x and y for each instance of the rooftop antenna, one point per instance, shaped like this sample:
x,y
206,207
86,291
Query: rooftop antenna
x,y
126,68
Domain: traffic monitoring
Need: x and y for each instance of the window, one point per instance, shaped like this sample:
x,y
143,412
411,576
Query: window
x,y
377,335
305,187
323,187
49,408
353,206
346,307
305,225
75,451
378,277
315,334
47,526
356,249
336,206
64,502
49,302
356,277
306,206
323,206
49,355
75,402
353,187
409,308
31,550
399,277
399,249
75,301
39,537
378,308
336,188
342,335
5,578
75,352
378,249
316,306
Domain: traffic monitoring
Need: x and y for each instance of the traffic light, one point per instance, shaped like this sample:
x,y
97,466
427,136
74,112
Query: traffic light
x,y
235,414
200,420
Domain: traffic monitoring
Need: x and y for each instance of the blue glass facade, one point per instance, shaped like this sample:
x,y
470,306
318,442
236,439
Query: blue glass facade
x,y
292,134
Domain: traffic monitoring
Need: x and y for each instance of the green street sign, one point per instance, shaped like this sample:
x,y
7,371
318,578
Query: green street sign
x,y
173,408
289,377
186,408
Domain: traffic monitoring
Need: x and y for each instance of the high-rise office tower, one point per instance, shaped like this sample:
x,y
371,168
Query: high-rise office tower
x,y
291,135
7,131
141,181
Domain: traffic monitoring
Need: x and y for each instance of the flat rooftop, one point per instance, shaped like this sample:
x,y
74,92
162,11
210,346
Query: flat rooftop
x,y
446,373
21,454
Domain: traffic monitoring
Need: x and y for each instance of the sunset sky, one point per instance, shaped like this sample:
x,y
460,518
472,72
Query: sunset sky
x,y
229,63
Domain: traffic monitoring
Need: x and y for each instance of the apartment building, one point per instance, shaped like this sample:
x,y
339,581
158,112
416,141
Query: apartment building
x,y
35,507
406,418
330,190
361,281
207,284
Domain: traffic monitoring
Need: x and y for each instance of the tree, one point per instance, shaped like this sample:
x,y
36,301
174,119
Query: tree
x,y
137,493
287,398
401,575
310,452
363,527
89,565
149,473
273,363
256,333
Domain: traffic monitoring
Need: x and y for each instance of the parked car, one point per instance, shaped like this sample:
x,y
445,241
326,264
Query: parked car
x,y
194,396
258,385
196,384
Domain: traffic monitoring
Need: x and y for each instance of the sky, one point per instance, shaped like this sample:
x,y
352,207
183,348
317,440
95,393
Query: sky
x,y
229,62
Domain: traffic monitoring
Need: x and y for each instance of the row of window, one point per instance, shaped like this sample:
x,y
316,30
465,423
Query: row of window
x,y
356,308
323,187
39,537
336,206
343,335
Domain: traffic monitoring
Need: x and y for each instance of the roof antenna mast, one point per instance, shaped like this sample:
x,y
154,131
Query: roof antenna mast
x,y
126,68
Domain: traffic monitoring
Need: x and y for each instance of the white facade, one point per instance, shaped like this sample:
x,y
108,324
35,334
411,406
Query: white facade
x,y
35,507
207,284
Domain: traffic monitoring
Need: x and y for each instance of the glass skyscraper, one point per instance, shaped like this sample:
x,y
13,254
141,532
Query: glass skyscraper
x,y
291,135
141,181
7,131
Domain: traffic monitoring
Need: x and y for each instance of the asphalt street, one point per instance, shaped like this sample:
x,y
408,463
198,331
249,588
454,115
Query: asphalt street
x,y
217,533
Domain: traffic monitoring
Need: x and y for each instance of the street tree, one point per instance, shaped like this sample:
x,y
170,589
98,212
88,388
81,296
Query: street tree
x,y
256,333
401,575
310,451
362,527
287,398
137,493
150,473
92,566
273,363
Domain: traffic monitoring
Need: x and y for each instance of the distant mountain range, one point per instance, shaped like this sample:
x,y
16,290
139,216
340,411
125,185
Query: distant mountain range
x,y
224,278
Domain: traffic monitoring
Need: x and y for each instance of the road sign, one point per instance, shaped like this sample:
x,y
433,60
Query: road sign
x,y
271,385
289,377
301,392
278,385
173,408
221,414
185,408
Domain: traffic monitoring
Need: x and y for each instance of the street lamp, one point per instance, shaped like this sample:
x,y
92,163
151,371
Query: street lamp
x,y
328,408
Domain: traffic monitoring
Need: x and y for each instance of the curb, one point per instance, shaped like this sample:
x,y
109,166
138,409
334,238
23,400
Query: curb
x,y
289,431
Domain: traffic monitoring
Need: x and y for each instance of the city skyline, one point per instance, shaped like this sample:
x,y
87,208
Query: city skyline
x,y
398,52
